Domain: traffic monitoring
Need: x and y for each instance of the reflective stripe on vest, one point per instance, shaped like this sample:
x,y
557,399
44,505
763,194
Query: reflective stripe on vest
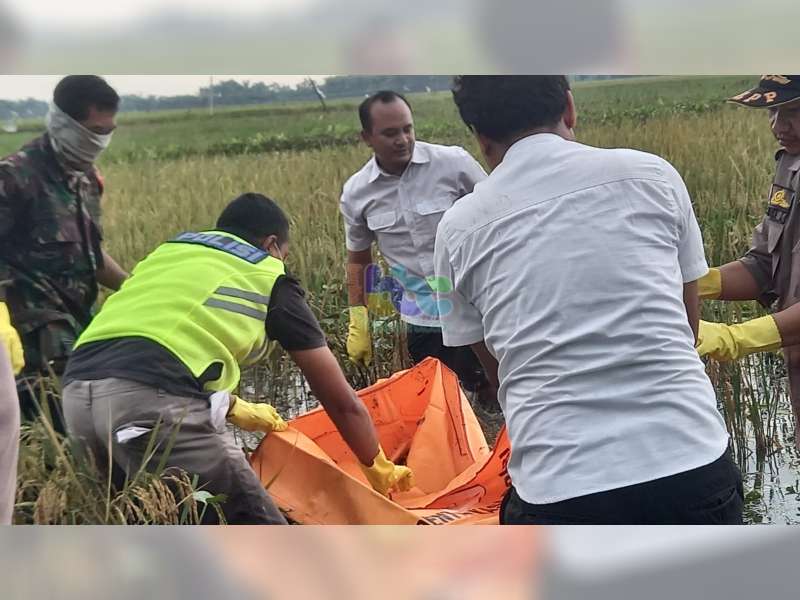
x,y
243,294
236,308
225,242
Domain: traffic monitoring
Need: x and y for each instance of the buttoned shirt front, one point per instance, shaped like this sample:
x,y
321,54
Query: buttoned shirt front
x,y
401,214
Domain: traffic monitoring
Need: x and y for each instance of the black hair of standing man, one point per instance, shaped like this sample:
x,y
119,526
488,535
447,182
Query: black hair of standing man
x,y
384,97
76,94
501,106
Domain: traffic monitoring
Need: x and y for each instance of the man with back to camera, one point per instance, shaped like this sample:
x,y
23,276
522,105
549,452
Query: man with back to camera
x,y
397,200
51,251
574,273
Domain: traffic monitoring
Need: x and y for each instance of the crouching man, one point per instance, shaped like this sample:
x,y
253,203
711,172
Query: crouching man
x,y
164,353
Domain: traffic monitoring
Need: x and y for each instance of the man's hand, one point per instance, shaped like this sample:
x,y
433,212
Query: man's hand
x,y
252,416
385,476
732,342
10,339
359,341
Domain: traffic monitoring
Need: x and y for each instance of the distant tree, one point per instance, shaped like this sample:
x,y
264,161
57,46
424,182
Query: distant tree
x,y
235,93
24,109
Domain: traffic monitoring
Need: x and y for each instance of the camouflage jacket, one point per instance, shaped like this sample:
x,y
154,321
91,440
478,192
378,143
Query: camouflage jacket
x,y
49,247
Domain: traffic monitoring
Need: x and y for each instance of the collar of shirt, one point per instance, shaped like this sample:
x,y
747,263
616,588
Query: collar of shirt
x,y
794,163
520,146
418,157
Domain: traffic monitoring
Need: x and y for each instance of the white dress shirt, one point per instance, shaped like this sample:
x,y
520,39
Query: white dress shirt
x,y
401,214
569,261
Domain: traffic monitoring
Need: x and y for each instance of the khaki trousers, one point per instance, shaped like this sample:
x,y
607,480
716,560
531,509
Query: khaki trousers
x,y
124,414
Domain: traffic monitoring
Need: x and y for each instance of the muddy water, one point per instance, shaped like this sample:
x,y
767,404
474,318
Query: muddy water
x,y
772,482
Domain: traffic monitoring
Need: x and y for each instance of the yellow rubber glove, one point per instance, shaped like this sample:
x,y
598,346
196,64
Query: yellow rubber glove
x,y
255,416
359,342
10,339
709,286
731,342
384,475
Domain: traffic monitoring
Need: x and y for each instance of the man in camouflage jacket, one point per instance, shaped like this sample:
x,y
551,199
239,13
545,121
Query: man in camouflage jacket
x,y
51,255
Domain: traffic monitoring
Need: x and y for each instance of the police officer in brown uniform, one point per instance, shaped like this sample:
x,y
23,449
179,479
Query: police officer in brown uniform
x,y
770,271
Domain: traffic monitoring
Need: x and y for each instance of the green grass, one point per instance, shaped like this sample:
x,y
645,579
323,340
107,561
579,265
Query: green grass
x,y
251,130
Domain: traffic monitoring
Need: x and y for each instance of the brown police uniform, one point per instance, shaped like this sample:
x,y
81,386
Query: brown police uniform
x,y
774,258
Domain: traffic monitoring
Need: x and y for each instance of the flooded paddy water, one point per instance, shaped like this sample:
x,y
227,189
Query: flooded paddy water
x,y
771,471
772,482
753,398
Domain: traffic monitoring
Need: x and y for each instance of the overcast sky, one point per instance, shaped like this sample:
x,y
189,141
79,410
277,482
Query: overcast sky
x,y
91,12
41,16
15,87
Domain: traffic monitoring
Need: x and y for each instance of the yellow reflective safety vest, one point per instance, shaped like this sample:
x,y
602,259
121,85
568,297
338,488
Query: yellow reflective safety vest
x,y
203,296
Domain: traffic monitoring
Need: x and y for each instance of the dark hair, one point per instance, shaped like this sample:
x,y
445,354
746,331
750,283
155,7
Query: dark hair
x,y
254,217
384,97
75,94
500,106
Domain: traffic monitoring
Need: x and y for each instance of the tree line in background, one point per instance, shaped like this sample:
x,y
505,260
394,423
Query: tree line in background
x,y
235,93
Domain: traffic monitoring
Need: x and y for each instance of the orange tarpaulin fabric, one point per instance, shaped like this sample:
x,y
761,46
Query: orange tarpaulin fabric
x,y
423,420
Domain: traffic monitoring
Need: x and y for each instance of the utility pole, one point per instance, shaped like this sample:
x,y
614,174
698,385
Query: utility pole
x,y
320,94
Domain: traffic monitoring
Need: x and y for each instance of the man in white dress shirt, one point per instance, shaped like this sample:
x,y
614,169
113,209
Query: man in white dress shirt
x,y
574,275
397,200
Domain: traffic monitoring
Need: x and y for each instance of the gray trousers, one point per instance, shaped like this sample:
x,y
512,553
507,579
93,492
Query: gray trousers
x,y
124,413
9,438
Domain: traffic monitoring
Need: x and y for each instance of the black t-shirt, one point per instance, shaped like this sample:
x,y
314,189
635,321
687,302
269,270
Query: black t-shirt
x,y
289,321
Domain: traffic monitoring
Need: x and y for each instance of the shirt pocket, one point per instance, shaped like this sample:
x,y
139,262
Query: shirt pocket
x,y
434,206
382,221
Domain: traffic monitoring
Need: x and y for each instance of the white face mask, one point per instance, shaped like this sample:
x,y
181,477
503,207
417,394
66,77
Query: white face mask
x,y
78,146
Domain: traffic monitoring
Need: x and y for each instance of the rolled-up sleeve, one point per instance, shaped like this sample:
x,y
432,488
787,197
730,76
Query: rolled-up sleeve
x,y
357,235
462,323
